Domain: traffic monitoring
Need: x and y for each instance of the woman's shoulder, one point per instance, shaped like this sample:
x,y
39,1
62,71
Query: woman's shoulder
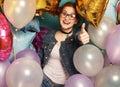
x,y
49,34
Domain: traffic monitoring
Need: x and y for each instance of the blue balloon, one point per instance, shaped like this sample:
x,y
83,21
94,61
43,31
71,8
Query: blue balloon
x,y
22,40
111,10
33,25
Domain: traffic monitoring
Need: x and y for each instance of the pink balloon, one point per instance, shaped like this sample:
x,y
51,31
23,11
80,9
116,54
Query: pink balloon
x,y
19,12
29,53
106,61
6,38
78,80
113,45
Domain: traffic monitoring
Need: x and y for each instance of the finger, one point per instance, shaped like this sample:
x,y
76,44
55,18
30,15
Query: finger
x,y
84,40
83,27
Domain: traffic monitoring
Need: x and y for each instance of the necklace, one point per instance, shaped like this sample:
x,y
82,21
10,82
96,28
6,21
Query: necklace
x,y
66,32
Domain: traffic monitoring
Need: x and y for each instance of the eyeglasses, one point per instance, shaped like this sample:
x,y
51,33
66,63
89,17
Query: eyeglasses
x,y
71,16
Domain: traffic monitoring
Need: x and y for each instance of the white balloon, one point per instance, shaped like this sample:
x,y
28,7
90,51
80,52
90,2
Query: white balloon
x,y
108,77
88,60
19,12
98,35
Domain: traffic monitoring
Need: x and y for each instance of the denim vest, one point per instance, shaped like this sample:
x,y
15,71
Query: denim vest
x,y
67,50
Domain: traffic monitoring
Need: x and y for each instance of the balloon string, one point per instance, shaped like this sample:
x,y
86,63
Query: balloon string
x,y
14,56
14,50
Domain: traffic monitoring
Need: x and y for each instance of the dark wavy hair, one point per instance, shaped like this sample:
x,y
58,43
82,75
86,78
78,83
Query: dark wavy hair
x,y
68,4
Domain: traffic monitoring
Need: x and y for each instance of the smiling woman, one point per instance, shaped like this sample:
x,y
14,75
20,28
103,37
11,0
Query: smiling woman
x,y
59,45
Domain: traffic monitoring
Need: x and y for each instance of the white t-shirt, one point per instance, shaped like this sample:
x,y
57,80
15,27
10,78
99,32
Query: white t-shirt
x,y
54,68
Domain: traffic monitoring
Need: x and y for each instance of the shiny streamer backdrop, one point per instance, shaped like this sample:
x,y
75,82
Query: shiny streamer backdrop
x,y
50,6
92,10
1,3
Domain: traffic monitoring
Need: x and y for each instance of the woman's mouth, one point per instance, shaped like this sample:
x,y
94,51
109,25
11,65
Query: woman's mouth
x,y
65,22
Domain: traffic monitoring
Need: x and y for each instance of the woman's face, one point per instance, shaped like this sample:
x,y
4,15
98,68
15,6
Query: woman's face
x,y
68,18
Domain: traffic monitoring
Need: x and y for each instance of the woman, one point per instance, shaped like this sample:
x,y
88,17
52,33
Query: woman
x,y
59,46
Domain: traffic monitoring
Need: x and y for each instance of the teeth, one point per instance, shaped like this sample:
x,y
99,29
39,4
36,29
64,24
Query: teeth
x,y
66,22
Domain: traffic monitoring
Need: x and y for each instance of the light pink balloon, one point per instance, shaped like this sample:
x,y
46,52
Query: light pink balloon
x,y
29,53
24,72
19,12
78,80
113,45
3,68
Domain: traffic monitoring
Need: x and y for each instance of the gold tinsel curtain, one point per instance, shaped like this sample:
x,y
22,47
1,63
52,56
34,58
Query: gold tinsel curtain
x,y
92,10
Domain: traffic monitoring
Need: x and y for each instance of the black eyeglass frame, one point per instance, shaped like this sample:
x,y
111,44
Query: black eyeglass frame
x,y
65,14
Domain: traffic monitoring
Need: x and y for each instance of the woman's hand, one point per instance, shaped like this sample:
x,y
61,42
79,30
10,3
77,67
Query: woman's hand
x,y
83,36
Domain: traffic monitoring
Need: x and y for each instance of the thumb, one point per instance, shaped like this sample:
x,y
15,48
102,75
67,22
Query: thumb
x,y
83,28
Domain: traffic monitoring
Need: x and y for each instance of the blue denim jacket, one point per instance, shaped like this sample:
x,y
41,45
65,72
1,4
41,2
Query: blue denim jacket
x,y
67,50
